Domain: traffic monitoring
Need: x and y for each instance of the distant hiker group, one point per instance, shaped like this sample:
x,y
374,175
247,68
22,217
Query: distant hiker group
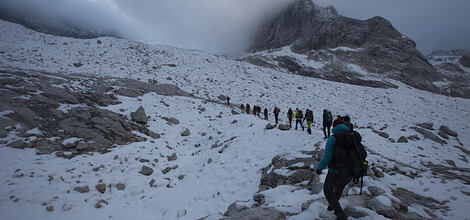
x,y
344,153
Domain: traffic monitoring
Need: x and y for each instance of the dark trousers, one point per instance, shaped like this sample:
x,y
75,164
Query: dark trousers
x,y
276,118
333,188
325,126
297,121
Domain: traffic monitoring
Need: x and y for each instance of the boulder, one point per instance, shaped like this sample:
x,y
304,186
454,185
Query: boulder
x,y
101,187
383,206
448,131
375,191
222,97
429,135
120,186
172,157
428,126
82,189
402,139
82,146
139,116
186,132
270,126
443,134
147,171
235,208
258,213
283,127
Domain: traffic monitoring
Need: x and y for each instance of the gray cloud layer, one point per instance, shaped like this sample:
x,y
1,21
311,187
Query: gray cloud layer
x,y
433,24
226,26
220,26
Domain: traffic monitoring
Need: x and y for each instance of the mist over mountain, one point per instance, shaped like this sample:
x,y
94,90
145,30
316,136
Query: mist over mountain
x,y
224,26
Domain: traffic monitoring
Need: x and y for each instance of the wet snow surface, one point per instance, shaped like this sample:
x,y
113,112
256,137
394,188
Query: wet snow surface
x,y
220,161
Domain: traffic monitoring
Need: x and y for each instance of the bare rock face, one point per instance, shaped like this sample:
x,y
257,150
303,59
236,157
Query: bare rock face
x,y
465,60
139,116
377,47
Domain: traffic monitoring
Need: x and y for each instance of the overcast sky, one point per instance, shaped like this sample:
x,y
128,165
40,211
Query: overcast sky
x,y
222,26
432,24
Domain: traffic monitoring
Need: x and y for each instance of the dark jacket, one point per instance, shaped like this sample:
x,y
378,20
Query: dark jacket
x,y
308,116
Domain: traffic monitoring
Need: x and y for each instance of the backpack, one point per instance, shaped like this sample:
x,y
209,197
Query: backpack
x,y
350,156
329,116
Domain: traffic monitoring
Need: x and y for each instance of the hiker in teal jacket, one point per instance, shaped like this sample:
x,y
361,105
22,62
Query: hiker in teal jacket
x,y
330,148
334,181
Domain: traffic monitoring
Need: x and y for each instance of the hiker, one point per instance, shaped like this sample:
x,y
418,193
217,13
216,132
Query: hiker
x,y
327,120
247,108
347,122
341,158
242,108
258,111
298,118
265,113
228,101
276,114
255,108
309,118
290,115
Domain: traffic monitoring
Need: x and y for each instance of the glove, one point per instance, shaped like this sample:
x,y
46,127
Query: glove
x,y
318,172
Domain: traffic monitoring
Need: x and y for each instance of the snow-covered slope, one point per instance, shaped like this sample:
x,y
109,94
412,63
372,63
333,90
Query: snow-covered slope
x,y
209,175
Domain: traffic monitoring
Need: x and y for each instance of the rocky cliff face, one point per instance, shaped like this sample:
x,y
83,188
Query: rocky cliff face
x,y
337,42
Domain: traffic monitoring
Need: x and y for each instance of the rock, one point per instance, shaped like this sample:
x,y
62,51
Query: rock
x,y
451,162
465,60
283,127
258,213
166,170
101,187
82,146
402,139
443,134
50,208
186,132
270,126
66,207
355,212
235,112
59,154
77,64
172,157
413,137
98,205
82,189
377,172
234,121
18,144
142,160
259,198
120,186
428,126
99,42
391,140
222,97
235,208
139,116
147,171
209,160
383,206
171,120
299,176
448,131
429,135
375,191
152,182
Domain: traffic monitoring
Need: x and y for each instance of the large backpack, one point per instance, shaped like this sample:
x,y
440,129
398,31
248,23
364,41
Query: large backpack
x,y
329,116
350,156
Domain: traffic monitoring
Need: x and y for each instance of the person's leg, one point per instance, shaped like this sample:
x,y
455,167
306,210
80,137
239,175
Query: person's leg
x,y
296,123
301,124
324,131
329,127
333,188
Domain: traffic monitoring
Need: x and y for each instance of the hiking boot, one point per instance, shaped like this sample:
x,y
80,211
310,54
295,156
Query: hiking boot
x,y
341,216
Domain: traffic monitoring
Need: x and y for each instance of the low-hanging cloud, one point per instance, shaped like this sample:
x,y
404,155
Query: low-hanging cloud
x,y
220,26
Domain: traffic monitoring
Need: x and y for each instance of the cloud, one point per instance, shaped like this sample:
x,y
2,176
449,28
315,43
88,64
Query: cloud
x,y
220,26
433,24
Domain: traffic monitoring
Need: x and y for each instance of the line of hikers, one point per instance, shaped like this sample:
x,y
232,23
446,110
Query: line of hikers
x,y
344,153
299,117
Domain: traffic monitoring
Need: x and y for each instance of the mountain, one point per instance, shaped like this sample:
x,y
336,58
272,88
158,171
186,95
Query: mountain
x,y
345,50
111,128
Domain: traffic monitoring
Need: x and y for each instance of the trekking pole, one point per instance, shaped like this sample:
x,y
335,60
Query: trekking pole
x,y
362,182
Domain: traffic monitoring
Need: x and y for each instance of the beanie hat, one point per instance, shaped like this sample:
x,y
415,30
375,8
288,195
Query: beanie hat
x,y
337,122
346,118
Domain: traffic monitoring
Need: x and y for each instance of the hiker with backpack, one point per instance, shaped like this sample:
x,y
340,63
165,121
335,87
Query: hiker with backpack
x,y
255,109
228,101
247,108
290,115
298,118
276,114
265,113
242,108
309,118
345,157
327,120
347,122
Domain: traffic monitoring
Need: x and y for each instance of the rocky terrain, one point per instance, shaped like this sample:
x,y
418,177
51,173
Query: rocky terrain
x,y
93,128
